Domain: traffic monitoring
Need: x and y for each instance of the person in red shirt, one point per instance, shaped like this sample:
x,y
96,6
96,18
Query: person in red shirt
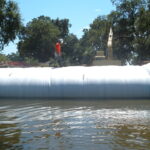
x,y
58,52
58,48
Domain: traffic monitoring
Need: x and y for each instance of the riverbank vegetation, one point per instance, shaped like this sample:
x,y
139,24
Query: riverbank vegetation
x,y
130,22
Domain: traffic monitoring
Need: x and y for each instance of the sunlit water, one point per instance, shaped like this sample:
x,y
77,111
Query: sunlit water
x,y
75,124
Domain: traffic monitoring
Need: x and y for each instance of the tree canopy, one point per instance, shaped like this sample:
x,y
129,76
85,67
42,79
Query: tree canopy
x,y
63,26
130,23
37,39
10,22
131,29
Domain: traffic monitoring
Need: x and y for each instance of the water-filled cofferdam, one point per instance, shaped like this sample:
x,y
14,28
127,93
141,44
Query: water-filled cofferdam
x,y
76,82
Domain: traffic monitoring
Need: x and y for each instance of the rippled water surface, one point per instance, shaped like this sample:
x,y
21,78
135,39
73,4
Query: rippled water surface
x,y
75,124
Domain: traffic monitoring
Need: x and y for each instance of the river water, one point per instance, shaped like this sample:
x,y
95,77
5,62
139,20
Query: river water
x,y
75,124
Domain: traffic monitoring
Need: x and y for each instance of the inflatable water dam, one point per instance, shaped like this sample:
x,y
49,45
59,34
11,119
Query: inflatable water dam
x,y
76,82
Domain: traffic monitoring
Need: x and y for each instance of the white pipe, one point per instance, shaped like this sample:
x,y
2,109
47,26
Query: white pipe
x,y
76,82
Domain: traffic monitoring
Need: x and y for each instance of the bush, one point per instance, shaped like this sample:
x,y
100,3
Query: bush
x,y
31,61
3,58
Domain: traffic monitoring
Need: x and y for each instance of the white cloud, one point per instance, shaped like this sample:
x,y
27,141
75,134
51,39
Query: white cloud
x,y
98,10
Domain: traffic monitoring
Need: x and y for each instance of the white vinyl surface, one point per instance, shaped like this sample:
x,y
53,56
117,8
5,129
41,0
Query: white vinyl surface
x,y
76,82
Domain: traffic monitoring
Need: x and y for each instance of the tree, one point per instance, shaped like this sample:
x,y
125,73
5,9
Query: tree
x,y
3,58
14,57
38,39
94,39
9,22
142,31
69,48
63,26
98,33
126,30
83,50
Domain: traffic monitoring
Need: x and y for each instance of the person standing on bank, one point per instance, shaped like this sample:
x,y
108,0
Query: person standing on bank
x,y
58,52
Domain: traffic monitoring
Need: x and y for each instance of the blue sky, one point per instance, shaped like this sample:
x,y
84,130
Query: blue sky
x,y
80,13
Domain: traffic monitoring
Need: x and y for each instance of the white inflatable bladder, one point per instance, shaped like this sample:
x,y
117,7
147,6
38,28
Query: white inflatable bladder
x,y
76,82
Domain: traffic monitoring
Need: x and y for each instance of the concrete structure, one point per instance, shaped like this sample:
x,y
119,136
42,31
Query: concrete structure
x,y
106,62
109,45
102,60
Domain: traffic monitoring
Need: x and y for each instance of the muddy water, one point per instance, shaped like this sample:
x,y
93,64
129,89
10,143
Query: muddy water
x,y
75,124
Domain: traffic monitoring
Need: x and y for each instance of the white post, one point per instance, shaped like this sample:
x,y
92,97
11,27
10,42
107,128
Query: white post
x,y
109,45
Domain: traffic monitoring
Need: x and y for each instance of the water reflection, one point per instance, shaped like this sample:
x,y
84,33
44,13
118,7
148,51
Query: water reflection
x,y
9,135
75,125
134,136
